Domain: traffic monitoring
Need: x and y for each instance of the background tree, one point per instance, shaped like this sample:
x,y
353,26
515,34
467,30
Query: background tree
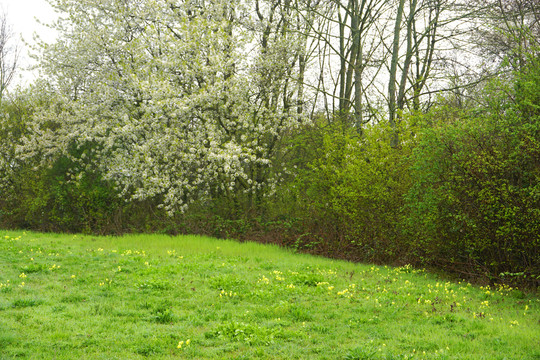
x,y
507,30
9,54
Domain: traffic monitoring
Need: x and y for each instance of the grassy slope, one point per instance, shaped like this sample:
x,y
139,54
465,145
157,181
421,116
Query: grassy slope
x,y
140,296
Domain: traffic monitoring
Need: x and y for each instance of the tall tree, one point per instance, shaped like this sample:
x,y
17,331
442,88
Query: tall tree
x,y
9,54
351,41
507,30
426,38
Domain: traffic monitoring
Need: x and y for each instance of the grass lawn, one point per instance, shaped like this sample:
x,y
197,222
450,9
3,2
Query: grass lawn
x,y
189,297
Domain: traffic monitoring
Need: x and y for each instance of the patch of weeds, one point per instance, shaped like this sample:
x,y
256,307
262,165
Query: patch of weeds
x,y
361,353
163,315
24,303
447,319
226,282
245,333
148,349
307,279
154,285
321,329
206,315
58,308
73,298
101,309
517,294
33,268
267,266
145,305
369,320
300,314
277,310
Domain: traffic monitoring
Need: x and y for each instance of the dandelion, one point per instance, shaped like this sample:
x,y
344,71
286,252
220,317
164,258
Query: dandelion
x,y
22,276
180,343
343,292
73,276
224,293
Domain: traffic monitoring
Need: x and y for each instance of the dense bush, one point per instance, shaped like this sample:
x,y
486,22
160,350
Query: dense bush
x,y
475,204
352,194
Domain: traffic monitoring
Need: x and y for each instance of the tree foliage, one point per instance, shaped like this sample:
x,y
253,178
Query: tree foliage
x,y
475,204
162,98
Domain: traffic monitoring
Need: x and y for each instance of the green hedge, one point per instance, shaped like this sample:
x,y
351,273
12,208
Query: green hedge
x,y
474,207
352,194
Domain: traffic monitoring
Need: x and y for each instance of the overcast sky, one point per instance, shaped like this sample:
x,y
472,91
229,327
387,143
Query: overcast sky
x,y
22,15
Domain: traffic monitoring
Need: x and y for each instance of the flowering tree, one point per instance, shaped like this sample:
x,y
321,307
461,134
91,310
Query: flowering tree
x,y
164,98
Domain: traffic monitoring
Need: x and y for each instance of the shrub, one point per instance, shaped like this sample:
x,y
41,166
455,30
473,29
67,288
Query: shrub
x,y
352,193
475,203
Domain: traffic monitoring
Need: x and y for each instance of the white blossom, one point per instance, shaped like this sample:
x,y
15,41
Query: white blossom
x,y
162,97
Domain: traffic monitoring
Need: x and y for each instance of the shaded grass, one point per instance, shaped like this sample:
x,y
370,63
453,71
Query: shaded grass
x,y
151,296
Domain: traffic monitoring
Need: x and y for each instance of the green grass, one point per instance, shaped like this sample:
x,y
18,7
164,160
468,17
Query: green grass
x,y
136,297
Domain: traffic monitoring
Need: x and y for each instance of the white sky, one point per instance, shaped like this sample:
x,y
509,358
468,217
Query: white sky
x,y
22,15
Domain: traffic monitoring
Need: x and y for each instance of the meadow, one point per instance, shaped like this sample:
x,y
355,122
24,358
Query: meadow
x,y
191,297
